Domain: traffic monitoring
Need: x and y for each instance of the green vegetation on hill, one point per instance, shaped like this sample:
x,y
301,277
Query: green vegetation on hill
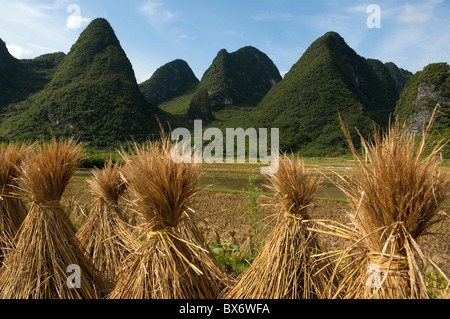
x,y
172,80
21,78
178,105
242,77
93,95
329,78
399,75
200,106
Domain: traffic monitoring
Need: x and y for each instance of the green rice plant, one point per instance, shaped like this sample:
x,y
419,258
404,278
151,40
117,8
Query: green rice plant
x,y
436,284
229,258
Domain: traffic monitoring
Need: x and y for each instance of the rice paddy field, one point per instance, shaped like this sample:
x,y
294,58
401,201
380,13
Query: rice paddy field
x,y
223,213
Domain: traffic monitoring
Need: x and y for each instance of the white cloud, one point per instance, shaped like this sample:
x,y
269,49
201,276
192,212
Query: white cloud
x,y
427,48
415,14
234,33
361,9
144,77
58,4
283,73
417,36
156,12
187,37
35,28
18,52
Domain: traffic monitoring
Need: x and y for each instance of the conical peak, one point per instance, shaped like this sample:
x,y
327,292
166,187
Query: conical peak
x,y
98,33
222,52
331,43
332,35
99,24
96,53
249,49
177,64
332,40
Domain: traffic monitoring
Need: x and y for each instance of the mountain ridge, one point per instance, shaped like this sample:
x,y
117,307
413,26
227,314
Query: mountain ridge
x,y
92,95
328,79
22,78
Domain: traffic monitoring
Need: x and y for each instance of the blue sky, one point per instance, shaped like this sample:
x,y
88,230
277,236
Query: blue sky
x,y
154,32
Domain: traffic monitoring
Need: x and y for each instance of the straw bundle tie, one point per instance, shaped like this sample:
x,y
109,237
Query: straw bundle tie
x,y
386,263
159,232
295,216
50,204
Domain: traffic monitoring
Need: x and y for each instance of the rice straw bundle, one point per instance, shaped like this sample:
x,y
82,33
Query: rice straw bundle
x,y
284,269
166,265
394,197
12,209
106,237
38,267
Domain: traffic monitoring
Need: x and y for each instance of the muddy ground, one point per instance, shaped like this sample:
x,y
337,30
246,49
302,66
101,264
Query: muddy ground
x,y
225,217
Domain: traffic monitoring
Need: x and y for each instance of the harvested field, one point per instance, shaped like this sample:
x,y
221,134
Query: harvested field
x,y
222,213
225,212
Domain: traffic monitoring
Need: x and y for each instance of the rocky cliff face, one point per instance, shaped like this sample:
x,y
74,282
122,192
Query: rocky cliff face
x,y
422,93
428,96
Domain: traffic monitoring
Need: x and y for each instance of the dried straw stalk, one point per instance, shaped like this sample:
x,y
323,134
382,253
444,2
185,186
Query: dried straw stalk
x,y
12,208
106,237
166,265
394,196
284,268
46,245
